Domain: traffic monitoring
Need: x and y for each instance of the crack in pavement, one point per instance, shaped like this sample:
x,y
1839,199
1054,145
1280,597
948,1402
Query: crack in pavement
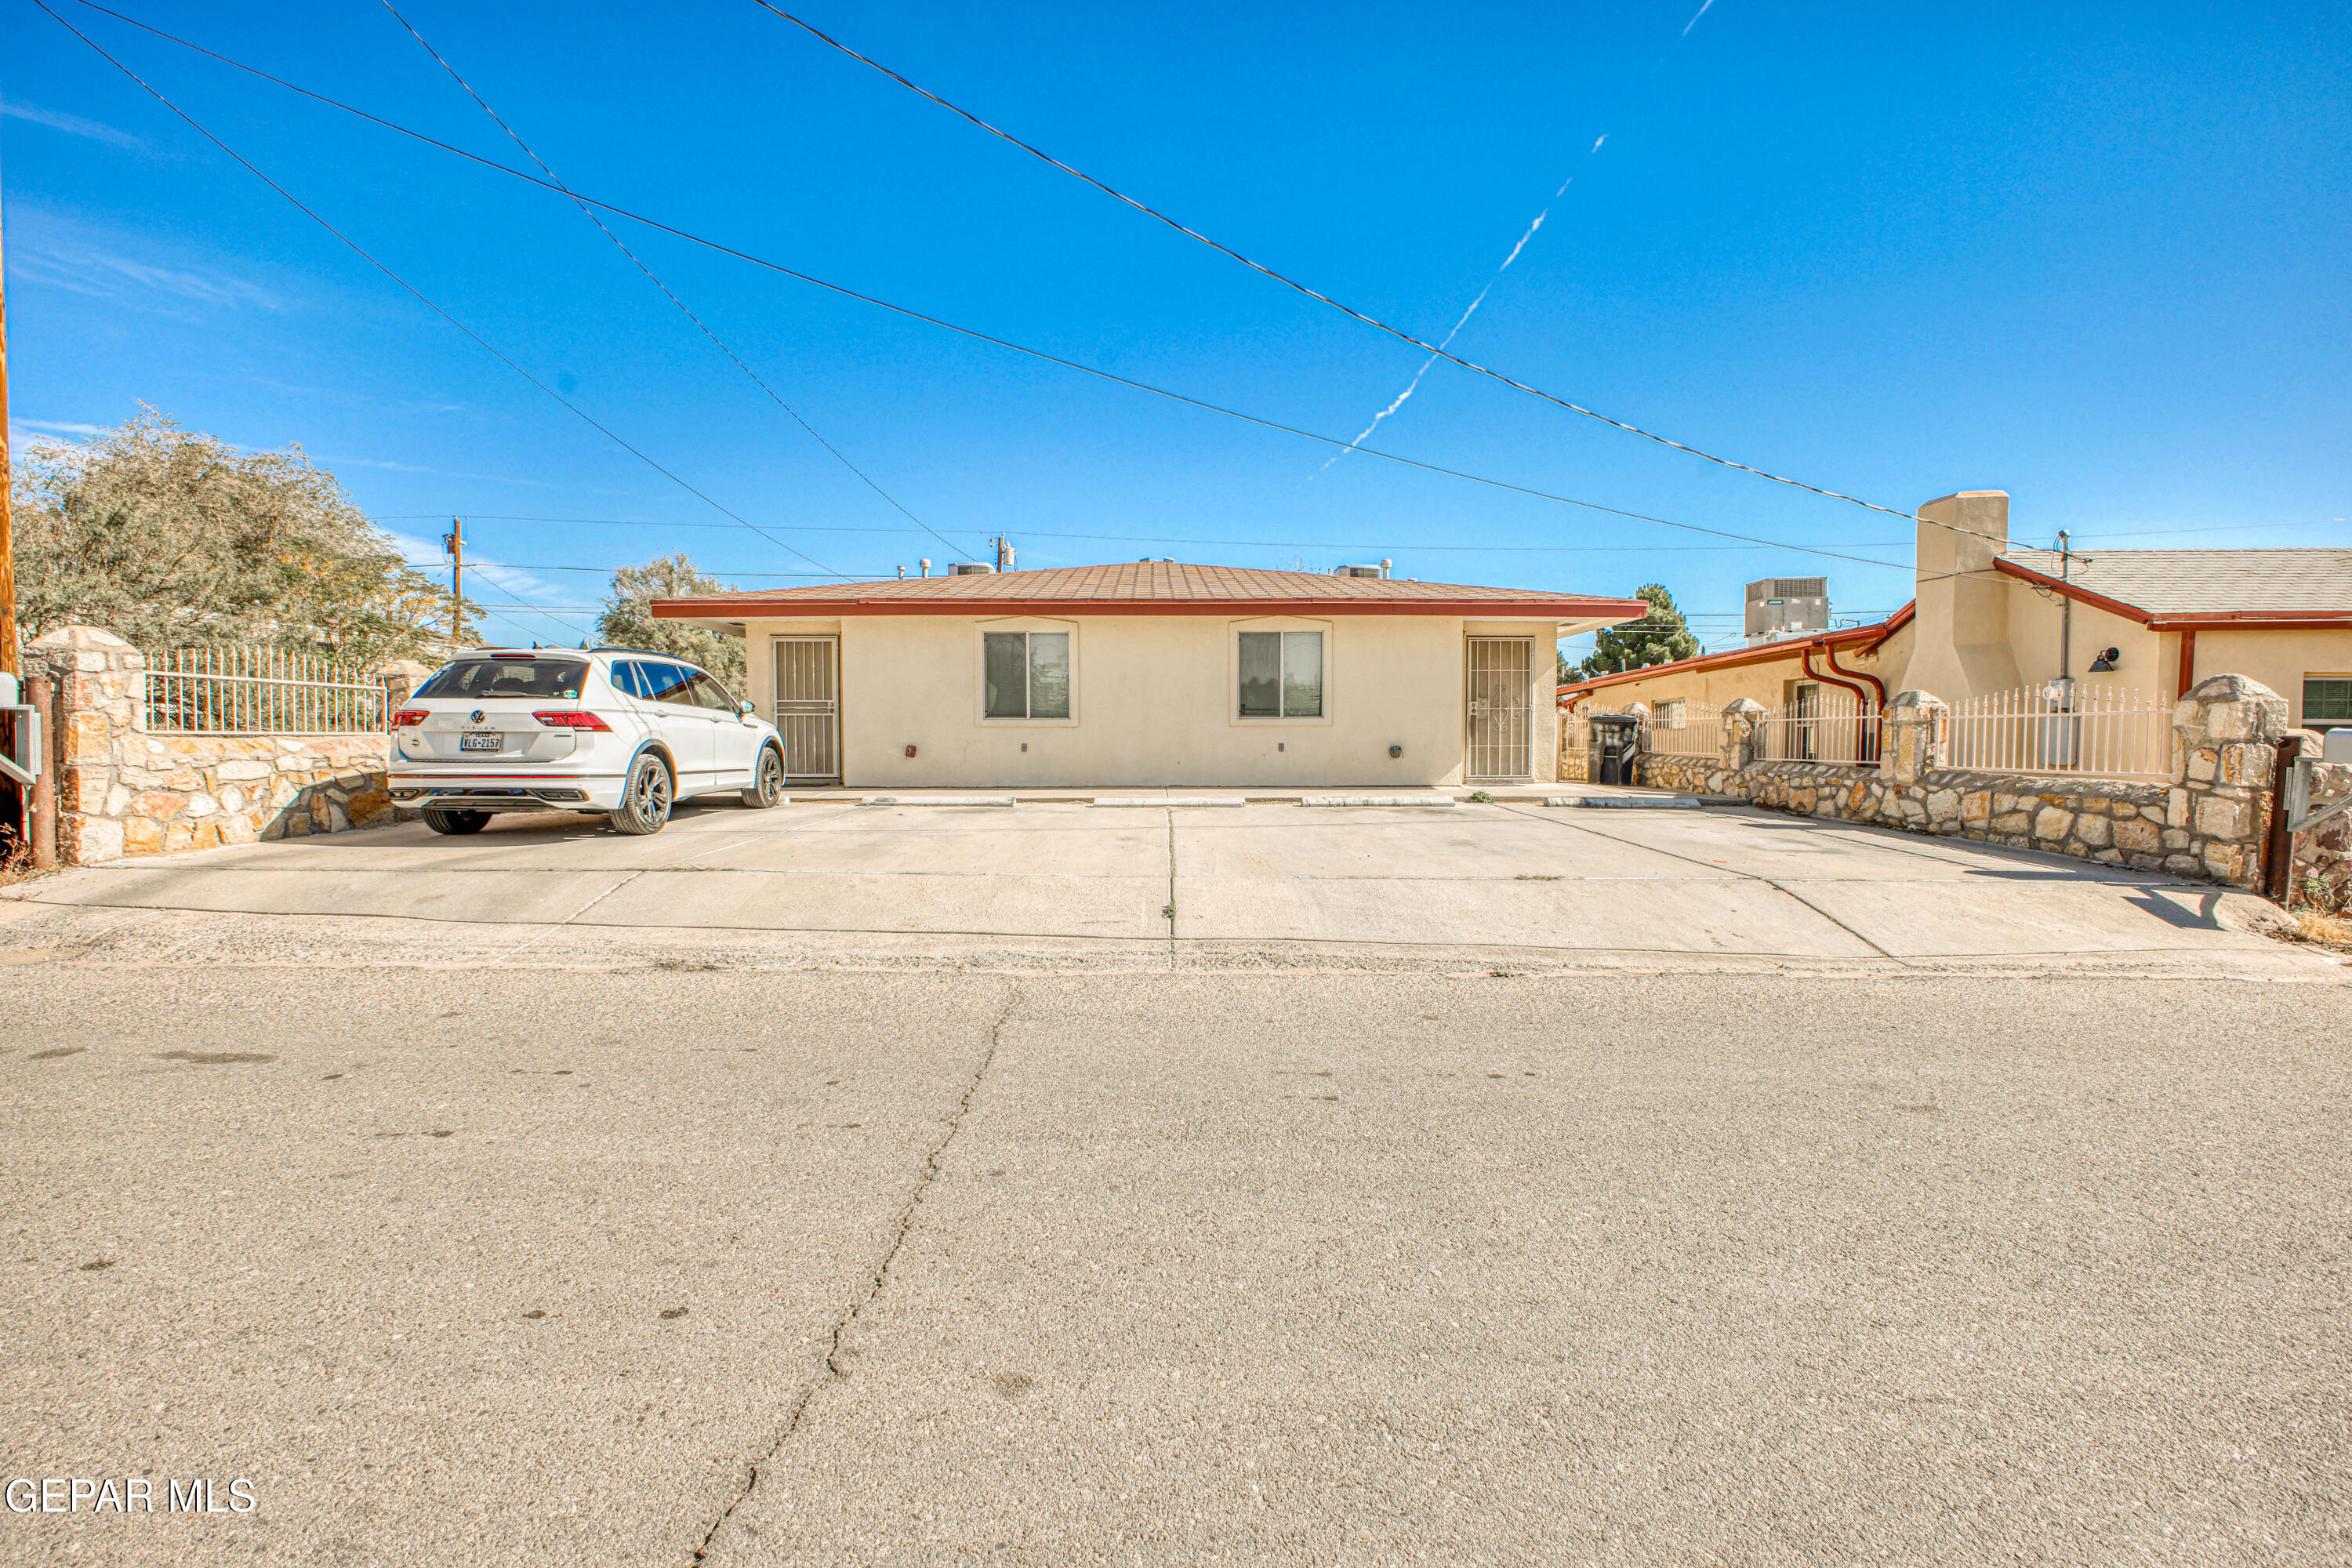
x,y
834,1371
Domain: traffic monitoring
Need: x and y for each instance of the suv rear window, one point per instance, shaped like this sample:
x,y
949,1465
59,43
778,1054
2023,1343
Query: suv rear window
x,y
495,678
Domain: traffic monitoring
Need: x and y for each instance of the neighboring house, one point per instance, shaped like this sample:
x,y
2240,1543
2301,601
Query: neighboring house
x,y
1990,617
1157,673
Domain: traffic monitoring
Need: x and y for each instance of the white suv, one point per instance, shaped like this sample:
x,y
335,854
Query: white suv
x,y
610,731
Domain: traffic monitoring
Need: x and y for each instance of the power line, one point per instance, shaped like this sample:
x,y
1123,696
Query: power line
x,y
2229,528
1172,539
1398,332
418,295
972,332
590,214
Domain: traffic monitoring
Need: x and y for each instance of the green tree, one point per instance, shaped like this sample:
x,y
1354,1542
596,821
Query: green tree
x,y
1660,638
628,618
173,539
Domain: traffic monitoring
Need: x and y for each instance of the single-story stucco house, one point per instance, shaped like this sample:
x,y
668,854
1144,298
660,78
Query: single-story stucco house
x,y
1991,616
1157,672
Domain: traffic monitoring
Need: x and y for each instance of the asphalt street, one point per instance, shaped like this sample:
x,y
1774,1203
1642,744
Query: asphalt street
x,y
516,1244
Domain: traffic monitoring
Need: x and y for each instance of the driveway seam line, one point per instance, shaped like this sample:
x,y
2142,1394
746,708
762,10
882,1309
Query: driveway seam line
x,y
876,1282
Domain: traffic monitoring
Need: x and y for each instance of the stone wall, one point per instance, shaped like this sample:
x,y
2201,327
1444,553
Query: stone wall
x,y
122,792
2208,822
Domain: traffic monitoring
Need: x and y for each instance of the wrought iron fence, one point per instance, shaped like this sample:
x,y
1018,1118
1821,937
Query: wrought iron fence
x,y
1823,725
258,692
1682,730
2099,729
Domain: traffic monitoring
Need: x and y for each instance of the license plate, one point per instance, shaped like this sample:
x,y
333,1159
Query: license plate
x,y
481,740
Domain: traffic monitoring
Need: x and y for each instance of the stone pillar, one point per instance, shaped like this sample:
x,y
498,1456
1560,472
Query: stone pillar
x,y
101,697
1736,747
401,678
2225,735
1911,746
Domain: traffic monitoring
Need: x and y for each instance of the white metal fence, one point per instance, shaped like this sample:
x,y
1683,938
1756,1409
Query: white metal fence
x,y
1823,725
1683,730
2104,730
258,692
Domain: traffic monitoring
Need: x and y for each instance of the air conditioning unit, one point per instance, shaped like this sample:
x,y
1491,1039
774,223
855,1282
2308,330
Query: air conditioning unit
x,y
1787,607
969,569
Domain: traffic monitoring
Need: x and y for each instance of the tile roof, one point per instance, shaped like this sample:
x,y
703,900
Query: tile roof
x,y
1141,585
2208,581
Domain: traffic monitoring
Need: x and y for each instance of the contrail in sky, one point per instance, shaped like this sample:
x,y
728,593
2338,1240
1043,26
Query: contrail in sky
x,y
1442,342
1465,316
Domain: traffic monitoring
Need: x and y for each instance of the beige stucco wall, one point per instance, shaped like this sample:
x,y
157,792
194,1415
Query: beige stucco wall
x,y
1962,644
1153,700
2278,660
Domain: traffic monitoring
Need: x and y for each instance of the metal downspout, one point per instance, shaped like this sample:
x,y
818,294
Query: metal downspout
x,y
1861,698
1829,655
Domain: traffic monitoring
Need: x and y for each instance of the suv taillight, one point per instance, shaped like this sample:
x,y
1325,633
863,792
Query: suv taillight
x,y
569,721
408,716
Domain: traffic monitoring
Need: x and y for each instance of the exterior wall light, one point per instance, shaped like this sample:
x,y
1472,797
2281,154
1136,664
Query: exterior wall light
x,y
2107,661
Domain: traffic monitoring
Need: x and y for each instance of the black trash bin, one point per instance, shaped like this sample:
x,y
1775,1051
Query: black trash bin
x,y
1615,737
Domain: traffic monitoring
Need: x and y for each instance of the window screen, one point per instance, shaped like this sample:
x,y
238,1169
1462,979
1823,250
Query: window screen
x,y
1281,675
1049,674
1027,675
2326,699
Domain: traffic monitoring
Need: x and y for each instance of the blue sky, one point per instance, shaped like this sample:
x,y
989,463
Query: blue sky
x,y
2094,256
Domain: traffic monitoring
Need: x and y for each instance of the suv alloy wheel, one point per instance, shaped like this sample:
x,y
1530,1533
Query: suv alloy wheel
x,y
645,799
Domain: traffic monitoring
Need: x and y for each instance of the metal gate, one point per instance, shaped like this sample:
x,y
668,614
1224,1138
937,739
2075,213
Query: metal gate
x,y
808,708
1501,718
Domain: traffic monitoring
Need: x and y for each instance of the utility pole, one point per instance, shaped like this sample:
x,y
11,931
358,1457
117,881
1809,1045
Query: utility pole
x,y
8,667
1003,553
7,549
2065,612
454,542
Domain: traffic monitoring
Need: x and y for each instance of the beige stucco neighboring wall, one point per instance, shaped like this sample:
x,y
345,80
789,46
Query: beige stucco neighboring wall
x,y
2034,622
2279,659
1153,702
1962,645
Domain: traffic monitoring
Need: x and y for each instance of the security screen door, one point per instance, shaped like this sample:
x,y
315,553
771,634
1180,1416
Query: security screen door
x,y
808,708
1501,721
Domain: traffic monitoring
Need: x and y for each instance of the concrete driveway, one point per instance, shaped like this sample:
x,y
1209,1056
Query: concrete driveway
x,y
1154,886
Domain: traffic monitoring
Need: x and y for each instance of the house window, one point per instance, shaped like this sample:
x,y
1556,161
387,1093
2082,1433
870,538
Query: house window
x,y
1282,675
1028,675
1670,714
2326,699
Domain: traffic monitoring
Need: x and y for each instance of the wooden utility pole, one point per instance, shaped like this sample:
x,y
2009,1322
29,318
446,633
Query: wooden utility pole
x,y
454,544
8,550
8,665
